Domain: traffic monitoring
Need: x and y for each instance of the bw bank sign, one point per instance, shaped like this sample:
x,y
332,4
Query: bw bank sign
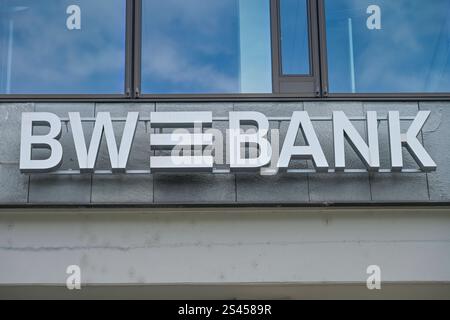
x,y
191,143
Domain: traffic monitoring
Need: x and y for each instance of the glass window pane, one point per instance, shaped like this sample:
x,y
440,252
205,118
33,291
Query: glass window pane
x,y
62,47
385,46
198,46
294,37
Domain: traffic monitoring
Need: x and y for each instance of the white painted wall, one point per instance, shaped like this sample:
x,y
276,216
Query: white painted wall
x,y
232,246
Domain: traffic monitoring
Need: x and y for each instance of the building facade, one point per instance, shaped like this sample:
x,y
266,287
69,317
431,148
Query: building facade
x,y
315,164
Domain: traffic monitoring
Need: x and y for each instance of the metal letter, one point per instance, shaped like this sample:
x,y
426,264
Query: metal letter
x,y
409,141
178,139
344,129
312,151
162,120
50,141
237,139
103,124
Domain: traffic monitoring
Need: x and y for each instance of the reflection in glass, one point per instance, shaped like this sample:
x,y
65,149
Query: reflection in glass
x,y
385,46
294,37
198,46
45,48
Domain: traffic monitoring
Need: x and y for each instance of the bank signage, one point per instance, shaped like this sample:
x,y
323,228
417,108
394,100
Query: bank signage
x,y
188,141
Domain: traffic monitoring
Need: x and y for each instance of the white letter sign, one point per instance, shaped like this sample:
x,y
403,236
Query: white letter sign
x,y
237,139
103,124
49,141
344,129
313,151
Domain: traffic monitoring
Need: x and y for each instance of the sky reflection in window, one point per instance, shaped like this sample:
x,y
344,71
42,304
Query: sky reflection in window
x,y
44,50
385,46
198,46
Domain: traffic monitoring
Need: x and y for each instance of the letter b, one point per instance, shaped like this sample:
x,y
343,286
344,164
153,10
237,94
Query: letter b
x,y
49,141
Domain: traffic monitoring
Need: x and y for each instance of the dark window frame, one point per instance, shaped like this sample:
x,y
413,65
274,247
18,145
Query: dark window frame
x,y
318,80
305,85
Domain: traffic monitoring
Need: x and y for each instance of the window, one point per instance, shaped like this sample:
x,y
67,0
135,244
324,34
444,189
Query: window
x,y
294,37
295,49
224,49
62,47
385,46
198,46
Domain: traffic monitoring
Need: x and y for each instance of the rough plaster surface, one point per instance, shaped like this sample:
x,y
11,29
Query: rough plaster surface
x,y
298,246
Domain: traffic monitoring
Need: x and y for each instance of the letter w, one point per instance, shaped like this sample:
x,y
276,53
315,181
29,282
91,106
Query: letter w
x,y
103,124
